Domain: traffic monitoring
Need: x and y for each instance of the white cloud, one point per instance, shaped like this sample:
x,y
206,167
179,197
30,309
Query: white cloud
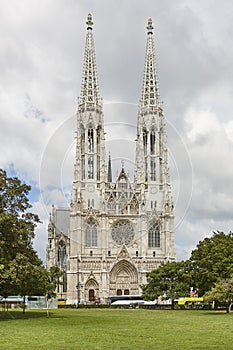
x,y
201,125
229,130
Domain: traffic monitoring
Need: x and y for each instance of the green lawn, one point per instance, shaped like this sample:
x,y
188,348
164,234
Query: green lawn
x,y
117,329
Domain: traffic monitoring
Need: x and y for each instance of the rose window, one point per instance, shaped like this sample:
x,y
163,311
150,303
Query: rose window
x,y
122,232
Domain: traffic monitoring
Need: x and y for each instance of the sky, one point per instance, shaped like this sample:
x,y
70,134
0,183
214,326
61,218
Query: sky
x,y
41,59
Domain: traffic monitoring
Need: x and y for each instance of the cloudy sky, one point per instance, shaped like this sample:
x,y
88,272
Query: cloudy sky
x,y
41,58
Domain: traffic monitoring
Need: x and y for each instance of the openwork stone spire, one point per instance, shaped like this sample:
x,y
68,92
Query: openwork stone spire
x,y
151,147
90,149
150,89
90,89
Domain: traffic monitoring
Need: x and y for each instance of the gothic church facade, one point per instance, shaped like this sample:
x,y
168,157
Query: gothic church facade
x,y
114,231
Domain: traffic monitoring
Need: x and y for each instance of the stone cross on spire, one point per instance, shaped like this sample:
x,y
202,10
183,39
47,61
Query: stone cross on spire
x,y
89,21
150,26
89,96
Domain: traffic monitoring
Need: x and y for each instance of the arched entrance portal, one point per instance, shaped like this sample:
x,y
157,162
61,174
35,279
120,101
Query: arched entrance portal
x,y
91,290
91,295
123,279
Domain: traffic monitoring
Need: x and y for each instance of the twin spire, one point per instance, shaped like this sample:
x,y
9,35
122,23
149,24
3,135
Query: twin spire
x,y
150,89
90,97
90,88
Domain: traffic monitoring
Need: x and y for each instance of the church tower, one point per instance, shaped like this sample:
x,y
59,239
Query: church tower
x,y
151,164
118,230
90,148
90,172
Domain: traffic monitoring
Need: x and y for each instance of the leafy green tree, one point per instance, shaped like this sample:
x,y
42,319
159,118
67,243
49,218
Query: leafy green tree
x,y
17,224
13,194
212,260
50,282
18,259
26,276
168,281
21,270
222,292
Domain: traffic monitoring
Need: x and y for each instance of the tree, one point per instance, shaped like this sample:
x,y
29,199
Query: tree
x,y
21,270
26,276
168,281
18,260
222,292
17,224
212,260
50,282
13,194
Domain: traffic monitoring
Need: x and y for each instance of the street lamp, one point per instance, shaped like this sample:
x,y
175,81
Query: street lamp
x,y
78,283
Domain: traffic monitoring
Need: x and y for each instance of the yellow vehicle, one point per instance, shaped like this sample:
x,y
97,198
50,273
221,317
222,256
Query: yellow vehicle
x,y
190,302
61,301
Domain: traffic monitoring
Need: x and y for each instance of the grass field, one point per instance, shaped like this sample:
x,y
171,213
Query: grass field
x,y
117,329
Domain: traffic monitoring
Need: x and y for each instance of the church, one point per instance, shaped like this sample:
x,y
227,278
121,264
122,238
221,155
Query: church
x,y
115,230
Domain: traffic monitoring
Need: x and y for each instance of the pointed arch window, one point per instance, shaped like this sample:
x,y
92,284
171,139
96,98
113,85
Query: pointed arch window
x,y
61,254
134,205
152,142
90,167
122,184
153,170
112,203
154,235
91,234
98,139
64,282
82,140
145,142
90,139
